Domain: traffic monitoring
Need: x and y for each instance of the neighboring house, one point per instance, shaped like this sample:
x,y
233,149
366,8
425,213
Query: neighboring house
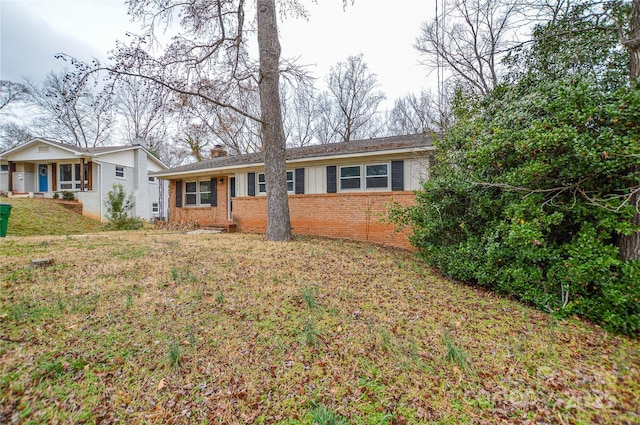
x,y
42,168
339,190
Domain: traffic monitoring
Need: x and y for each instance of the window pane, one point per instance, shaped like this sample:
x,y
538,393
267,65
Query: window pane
x,y
190,187
65,173
261,178
262,188
289,175
76,169
289,186
205,198
377,170
350,172
350,183
190,198
373,182
205,186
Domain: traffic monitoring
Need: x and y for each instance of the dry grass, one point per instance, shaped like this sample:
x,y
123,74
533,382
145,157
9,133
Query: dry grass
x,y
165,327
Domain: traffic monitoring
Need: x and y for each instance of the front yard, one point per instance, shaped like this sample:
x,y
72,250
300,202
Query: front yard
x,y
161,327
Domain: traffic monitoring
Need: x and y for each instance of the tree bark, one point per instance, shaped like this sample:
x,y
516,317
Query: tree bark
x,y
273,140
629,245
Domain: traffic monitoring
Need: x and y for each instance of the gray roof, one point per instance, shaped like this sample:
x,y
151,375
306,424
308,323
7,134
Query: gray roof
x,y
414,141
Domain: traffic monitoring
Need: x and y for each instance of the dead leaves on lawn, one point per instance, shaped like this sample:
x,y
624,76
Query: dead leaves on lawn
x,y
161,327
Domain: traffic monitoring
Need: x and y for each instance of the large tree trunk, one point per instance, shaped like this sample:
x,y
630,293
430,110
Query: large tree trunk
x,y
629,246
273,141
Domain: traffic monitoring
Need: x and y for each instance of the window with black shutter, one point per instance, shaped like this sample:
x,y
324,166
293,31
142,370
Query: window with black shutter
x,y
251,184
178,193
397,175
332,184
299,181
214,192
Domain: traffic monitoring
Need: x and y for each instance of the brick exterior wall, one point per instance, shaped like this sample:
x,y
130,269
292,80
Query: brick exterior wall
x,y
356,216
204,216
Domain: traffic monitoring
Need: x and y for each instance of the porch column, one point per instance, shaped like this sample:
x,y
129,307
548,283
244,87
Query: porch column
x,y
54,176
12,169
82,174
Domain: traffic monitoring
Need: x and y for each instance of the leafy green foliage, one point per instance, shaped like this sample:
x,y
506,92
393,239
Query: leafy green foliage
x,y
118,207
531,188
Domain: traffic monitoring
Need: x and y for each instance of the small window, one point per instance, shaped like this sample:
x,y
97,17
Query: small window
x,y
290,185
152,179
377,176
262,185
120,172
350,177
155,208
205,192
4,167
43,148
197,193
191,193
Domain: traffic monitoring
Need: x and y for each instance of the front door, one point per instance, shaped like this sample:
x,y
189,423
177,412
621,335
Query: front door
x,y
43,178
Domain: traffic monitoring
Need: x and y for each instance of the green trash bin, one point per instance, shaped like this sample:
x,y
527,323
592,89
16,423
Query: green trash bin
x,y
5,212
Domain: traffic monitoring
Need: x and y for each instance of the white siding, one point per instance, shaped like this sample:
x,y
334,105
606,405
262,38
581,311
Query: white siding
x,y
315,180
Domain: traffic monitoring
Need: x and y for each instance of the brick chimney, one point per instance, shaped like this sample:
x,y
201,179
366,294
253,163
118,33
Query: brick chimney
x,y
218,151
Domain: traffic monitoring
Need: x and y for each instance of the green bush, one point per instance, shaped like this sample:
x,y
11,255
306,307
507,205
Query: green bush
x,y
68,196
118,205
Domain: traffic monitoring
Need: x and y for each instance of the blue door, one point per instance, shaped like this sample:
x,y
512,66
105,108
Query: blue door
x,y
43,178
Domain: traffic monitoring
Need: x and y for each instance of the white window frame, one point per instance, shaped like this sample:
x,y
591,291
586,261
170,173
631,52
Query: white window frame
x,y
124,172
155,208
367,177
261,186
198,193
349,178
74,183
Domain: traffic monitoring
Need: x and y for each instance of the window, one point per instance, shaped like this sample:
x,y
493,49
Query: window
x,y
120,172
70,176
376,176
4,167
198,193
350,177
155,208
290,181
152,179
262,183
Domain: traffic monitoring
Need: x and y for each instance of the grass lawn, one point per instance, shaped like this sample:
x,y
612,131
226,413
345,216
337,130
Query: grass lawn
x,y
165,327
30,217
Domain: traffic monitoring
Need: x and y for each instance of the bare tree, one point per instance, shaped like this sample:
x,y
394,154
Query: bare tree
x,y
11,92
13,134
213,125
469,38
145,113
74,114
301,112
208,59
349,107
414,114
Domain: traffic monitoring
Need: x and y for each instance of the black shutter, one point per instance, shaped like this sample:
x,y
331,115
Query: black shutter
x,y
397,175
251,184
299,181
178,193
214,192
332,183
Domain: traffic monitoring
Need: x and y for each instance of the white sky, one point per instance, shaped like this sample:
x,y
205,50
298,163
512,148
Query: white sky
x,y
33,31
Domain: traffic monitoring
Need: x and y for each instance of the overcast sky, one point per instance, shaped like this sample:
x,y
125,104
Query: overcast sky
x,y
33,31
